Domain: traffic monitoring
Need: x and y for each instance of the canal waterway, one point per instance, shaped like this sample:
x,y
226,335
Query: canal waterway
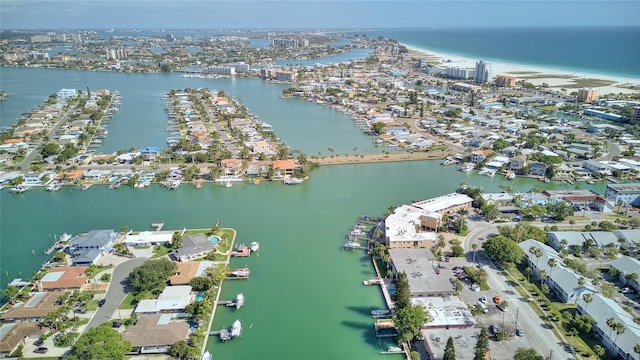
x,y
305,297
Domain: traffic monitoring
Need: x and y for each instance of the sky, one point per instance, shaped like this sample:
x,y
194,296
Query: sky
x,y
311,14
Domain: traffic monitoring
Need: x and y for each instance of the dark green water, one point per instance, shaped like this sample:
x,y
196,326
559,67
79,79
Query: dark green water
x,y
305,298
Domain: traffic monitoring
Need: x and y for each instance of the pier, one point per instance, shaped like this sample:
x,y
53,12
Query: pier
x,y
157,225
246,251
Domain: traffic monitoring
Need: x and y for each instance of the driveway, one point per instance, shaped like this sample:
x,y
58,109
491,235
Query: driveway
x,y
117,292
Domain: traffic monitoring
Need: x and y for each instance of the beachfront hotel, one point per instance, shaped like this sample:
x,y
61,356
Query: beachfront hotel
x,y
481,74
588,95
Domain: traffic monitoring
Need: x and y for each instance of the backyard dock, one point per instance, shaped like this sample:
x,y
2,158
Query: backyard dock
x,y
157,225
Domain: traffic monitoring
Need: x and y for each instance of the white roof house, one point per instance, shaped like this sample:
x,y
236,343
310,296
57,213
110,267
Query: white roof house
x,y
172,299
445,202
403,226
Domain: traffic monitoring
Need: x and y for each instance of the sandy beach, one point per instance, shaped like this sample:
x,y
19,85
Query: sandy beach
x,y
554,78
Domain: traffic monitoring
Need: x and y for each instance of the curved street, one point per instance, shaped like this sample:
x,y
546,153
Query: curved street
x,y
116,293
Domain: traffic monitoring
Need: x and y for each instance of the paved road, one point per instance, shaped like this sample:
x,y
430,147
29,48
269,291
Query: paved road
x,y
537,334
116,292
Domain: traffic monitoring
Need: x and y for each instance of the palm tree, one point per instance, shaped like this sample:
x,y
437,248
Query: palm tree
x,y
542,274
636,349
504,305
528,271
552,264
572,222
620,329
474,246
587,298
611,323
481,276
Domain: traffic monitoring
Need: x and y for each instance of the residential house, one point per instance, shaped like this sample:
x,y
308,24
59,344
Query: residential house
x,y
173,299
155,333
63,278
35,308
87,249
601,239
232,167
193,247
13,335
149,153
187,270
284,167
479,156
517,163
537,169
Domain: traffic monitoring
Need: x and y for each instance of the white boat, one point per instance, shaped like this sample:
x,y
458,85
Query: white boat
x,y
466,167
53,187
206,356
20,189
394,349
228,184
254,246
293,181
236,329
242,272
174,184
239,300
380,312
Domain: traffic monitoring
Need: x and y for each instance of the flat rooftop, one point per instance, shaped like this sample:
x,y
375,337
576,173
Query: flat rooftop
x,y
446,311
420,267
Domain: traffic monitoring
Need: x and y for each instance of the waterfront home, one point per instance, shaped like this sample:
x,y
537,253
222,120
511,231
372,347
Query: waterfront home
x,y
149,153
284,167
173,299
537,169
601,309
13,335
155,333
517,163
193,247
232,167
69,175
498,199
422,271
148,238
63,278
87,249
627,266
185,271
479,156
564,282
31,178
35,308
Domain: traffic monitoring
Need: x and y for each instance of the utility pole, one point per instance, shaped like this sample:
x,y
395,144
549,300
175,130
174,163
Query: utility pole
x,y
517,313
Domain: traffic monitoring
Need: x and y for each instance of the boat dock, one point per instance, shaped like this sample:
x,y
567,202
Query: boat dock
x,y
58,244
246,251
372,281
157,225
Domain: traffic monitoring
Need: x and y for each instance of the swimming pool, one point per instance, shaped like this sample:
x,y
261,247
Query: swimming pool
x,y
214,239
199,296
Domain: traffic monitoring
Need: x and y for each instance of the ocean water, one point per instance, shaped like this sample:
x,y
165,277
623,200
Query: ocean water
x,y
599,50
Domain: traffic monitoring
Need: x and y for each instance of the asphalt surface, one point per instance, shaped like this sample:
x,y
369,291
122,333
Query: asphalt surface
x,y
537,333
116,292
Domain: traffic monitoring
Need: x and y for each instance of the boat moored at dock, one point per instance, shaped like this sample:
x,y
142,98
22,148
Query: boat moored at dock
x,y
254,246
20,189
236,329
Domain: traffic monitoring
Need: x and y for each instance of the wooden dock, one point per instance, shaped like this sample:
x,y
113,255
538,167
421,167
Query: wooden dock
x,y
246,251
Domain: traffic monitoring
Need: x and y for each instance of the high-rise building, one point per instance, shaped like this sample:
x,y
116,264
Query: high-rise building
x,y
635,116
481,74
116,54
588,95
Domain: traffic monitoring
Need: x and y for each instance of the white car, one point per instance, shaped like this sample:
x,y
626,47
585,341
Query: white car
x,y
483,299
475,287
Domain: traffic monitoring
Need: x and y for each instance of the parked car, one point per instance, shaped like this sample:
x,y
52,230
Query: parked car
x,y
497,299
38,343
519,332
494,328
475,287
101,302
483,299
41,350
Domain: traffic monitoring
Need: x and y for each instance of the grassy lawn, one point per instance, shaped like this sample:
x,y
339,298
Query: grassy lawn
x,y
128,302
160,251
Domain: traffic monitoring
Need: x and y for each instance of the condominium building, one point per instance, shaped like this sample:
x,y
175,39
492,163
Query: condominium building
x,y
588,95
116,54
627,194
635,116
505,81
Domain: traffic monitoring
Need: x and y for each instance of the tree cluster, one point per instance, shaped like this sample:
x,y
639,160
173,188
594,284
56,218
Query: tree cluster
x,y
152,276
99,343
503,249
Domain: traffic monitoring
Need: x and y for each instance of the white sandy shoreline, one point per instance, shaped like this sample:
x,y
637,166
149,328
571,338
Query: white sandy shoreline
x,y
555,78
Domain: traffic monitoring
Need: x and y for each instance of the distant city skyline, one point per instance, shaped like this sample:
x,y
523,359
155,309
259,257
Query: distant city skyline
x,y
348,14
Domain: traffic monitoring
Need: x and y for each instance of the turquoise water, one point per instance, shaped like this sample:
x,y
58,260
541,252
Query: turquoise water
x,y
564,48
199,296
305,297
214,239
